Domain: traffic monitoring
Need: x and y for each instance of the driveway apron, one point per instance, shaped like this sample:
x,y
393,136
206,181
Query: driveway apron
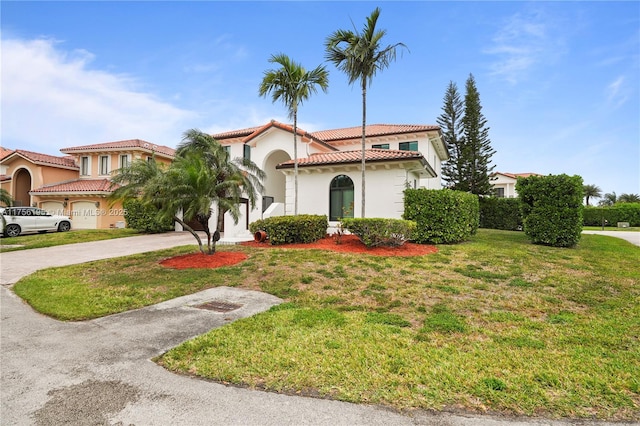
x,y
100,372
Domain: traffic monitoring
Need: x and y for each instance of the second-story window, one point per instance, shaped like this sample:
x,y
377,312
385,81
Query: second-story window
x,y
125,160
104,165
85,164
381,146
246,154
408,146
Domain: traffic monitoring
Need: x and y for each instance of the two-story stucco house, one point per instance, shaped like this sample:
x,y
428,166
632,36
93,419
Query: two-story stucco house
x,y
329,162
77,184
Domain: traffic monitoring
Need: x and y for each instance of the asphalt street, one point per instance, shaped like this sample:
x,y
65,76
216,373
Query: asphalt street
x,y
100,372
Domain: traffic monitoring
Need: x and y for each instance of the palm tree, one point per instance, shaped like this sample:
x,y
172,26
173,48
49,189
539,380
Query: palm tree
x,y
629,198
201,175
609,199
359,55
293,85
592,191
223,182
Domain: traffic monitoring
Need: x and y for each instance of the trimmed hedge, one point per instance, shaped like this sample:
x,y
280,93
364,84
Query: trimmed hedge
x,y
500,213
552,209
376,232
442,216
144,218
303,228
623,212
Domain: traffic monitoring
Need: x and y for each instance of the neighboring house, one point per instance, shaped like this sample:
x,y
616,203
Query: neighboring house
x,y
329,177
76,185
504,184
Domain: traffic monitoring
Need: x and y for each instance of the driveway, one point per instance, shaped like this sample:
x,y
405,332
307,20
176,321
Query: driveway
x,y
632,237
101,372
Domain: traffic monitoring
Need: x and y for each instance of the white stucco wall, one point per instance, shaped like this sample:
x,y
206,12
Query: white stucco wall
x,y
507,183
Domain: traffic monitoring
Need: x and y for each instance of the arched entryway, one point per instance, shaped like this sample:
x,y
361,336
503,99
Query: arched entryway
x,y
275,183
21,188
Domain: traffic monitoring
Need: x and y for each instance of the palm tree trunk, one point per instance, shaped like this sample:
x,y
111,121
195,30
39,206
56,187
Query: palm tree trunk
x,y
188,228
295,161
364,127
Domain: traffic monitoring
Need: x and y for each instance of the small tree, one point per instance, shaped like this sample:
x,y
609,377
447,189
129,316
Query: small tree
x,y
591,191
629,198
609,199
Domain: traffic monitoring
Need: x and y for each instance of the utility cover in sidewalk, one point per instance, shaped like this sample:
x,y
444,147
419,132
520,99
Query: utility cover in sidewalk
x,y
218,306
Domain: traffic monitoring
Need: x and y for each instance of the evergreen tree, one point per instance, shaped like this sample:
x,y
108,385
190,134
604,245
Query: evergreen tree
x,y
477,149
450,122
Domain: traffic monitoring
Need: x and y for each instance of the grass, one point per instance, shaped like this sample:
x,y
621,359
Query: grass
x,y
494,324
50,239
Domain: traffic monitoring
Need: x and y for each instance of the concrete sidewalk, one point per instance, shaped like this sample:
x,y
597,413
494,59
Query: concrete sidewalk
x,y
100,371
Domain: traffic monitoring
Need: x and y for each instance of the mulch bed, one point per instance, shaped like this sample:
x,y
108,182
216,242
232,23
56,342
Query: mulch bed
x,y
348,244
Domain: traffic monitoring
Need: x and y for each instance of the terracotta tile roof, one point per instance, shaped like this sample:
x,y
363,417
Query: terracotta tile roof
x,y
286,128
43,159
121,145
371,130
346,157
4,178
75,186
241,133
4,152
516,175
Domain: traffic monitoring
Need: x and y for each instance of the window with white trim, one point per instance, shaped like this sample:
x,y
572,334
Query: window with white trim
x,y
103,165
125,161
85,166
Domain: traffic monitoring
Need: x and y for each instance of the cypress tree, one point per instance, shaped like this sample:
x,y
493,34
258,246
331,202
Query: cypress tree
x,y
450,122
476,151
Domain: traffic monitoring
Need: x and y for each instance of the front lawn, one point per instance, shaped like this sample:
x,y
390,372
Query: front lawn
x,y
50,239
494,324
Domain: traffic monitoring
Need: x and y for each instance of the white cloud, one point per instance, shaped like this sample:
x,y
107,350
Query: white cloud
x,y
51,99
522,43
616,93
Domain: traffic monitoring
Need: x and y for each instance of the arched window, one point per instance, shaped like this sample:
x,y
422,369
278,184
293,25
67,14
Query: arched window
x,y
341,198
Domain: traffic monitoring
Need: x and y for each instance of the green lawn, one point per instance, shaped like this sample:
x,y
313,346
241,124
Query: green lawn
x,y
494,324
50,239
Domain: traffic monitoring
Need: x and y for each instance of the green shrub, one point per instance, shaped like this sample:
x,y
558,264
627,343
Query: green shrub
x,y
442,216
376,232
144,218
304,228
552,209
623,212
500,213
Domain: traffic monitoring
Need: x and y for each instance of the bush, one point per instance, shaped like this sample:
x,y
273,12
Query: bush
x,y
442,216
144,218
304,228
552,209
380,232
624,212
500,213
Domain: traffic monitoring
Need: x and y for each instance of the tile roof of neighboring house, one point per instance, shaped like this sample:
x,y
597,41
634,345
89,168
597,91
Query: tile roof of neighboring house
x,y
76,186
345,157
516,175
118,145
4,152
286,128
371,130
43,159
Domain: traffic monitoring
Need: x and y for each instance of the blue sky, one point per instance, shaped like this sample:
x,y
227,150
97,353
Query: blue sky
x,y
558,81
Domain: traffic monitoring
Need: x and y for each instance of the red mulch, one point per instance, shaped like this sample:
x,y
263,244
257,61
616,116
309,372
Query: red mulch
x,y
348,244
351,244
199,260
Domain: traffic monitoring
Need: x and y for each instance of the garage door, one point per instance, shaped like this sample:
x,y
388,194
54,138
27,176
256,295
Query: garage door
x,y
84,215
53,207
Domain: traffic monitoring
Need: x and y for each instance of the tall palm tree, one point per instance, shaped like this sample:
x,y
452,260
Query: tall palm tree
x,y
360,56
292,84
592,191
629,198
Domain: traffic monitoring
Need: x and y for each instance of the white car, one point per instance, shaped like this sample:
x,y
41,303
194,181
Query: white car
x,y
20,220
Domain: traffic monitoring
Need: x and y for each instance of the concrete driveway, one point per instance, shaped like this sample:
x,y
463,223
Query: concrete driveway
x,y
101,372
632,237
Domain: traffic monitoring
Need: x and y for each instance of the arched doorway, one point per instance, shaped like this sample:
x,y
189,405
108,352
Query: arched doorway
x,y
275,183
22,186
